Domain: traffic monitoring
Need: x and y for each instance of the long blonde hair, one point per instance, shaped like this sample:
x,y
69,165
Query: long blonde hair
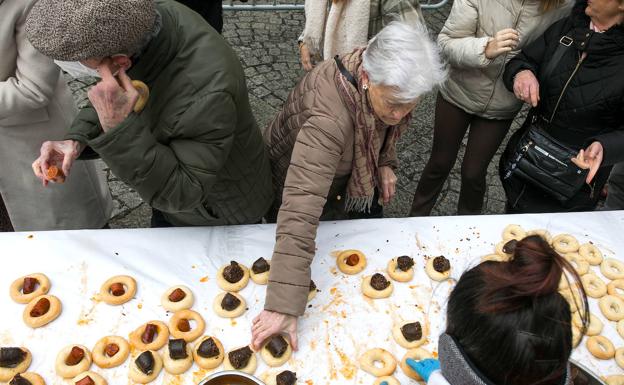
x,y
549,5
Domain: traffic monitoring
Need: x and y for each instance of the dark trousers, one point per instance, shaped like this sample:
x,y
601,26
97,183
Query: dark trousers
x,y
5,221
484,138
210,10
158,220
615,197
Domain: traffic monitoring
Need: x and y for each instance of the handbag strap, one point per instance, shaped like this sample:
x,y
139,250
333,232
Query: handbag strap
x,y
564,43
345,72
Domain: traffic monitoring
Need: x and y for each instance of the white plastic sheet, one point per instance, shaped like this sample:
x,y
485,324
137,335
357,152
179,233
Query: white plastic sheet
x,y
337,328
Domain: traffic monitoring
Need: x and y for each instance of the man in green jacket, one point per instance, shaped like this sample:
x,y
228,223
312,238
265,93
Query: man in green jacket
x,y
194,153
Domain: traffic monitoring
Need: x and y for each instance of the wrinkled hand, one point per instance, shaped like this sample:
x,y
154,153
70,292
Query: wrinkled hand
x,y
424,368
590,158
270,323
62,153
526,87
504,41
113,98
388,181
306,57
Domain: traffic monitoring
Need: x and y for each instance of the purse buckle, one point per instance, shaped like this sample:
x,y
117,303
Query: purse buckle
x,y
566,40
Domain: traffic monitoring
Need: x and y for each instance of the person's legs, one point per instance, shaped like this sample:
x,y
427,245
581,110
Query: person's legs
x,y
5,221
210,10
449,129
159,220
615,195
484,139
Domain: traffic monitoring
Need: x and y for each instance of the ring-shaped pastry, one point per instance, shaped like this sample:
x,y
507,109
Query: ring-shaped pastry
x,y
136,375
373,293
36,314
221,312
616,288
387,379
162,336
351,262
97,379
399,337
576,336
495,258
415,354
617,379
189,315
110,352
619,357
212,359
580,265
273,361
178,366
612,269
260,278
600,347
7,373
595,324
513,232
32,377
542,233
565,243
177,298
498,249
385,358
432,268
591,254
236,286
620,328
109,286
312,291
612,307
65,370
250,368
594,286
574,299
41,288
398,274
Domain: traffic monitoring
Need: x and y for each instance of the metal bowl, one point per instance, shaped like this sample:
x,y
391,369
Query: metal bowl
x,y
231,377
583,376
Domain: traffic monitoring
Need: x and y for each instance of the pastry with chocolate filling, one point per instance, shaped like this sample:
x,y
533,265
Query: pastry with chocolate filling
x,y
72,360
41,311
351,262
377,286
401,269
146,367
260,271
89,378
177,298
150,336
438,268
241,359
208,353
178,356
13,361
409,334
312,290
233,277
276,351
27,378
286,378
25,289
229,305
110,352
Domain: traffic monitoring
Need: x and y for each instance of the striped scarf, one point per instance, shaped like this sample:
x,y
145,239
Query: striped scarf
x,y
370,141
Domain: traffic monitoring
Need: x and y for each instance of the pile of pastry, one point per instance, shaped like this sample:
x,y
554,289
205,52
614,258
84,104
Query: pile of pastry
x,y
602,279
155,345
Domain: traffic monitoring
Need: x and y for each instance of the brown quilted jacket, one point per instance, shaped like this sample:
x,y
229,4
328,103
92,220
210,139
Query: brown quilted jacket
x,y
310,144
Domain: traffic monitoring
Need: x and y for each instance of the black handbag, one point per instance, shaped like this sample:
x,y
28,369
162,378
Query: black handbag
x,y
540,159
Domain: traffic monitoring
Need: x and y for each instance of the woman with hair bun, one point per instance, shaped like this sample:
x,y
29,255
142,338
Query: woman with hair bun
x,y
507,323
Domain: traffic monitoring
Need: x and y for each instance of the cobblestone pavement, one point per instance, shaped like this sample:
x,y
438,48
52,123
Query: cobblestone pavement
x,y
266,44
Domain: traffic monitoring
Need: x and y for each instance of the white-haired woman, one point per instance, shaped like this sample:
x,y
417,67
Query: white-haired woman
x,y
478,38
331,146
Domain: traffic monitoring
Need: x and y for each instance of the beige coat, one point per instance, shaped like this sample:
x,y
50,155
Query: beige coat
x,y
36,105
311,148
475,83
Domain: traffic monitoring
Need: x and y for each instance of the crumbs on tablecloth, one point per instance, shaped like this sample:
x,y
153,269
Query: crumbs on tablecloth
x,y
140,306
203,279
30,236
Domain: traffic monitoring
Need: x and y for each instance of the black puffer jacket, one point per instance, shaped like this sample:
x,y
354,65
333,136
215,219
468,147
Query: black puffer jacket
x,y
592,107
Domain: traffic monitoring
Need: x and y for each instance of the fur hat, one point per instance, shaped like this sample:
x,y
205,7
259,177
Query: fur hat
x,y
73,30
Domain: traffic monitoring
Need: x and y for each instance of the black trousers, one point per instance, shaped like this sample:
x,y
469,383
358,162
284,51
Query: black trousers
x,y
5,221
210,10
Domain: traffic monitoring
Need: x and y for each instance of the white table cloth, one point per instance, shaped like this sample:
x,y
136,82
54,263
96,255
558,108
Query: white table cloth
x,y
339,325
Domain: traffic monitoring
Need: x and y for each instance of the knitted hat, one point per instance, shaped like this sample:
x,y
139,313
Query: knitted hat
x,y
72,30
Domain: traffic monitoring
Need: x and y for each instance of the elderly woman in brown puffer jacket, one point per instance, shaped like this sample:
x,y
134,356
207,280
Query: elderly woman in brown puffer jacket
x,y
331,146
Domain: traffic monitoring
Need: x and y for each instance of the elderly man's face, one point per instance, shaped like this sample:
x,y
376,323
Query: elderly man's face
x,y
385,105
114,63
